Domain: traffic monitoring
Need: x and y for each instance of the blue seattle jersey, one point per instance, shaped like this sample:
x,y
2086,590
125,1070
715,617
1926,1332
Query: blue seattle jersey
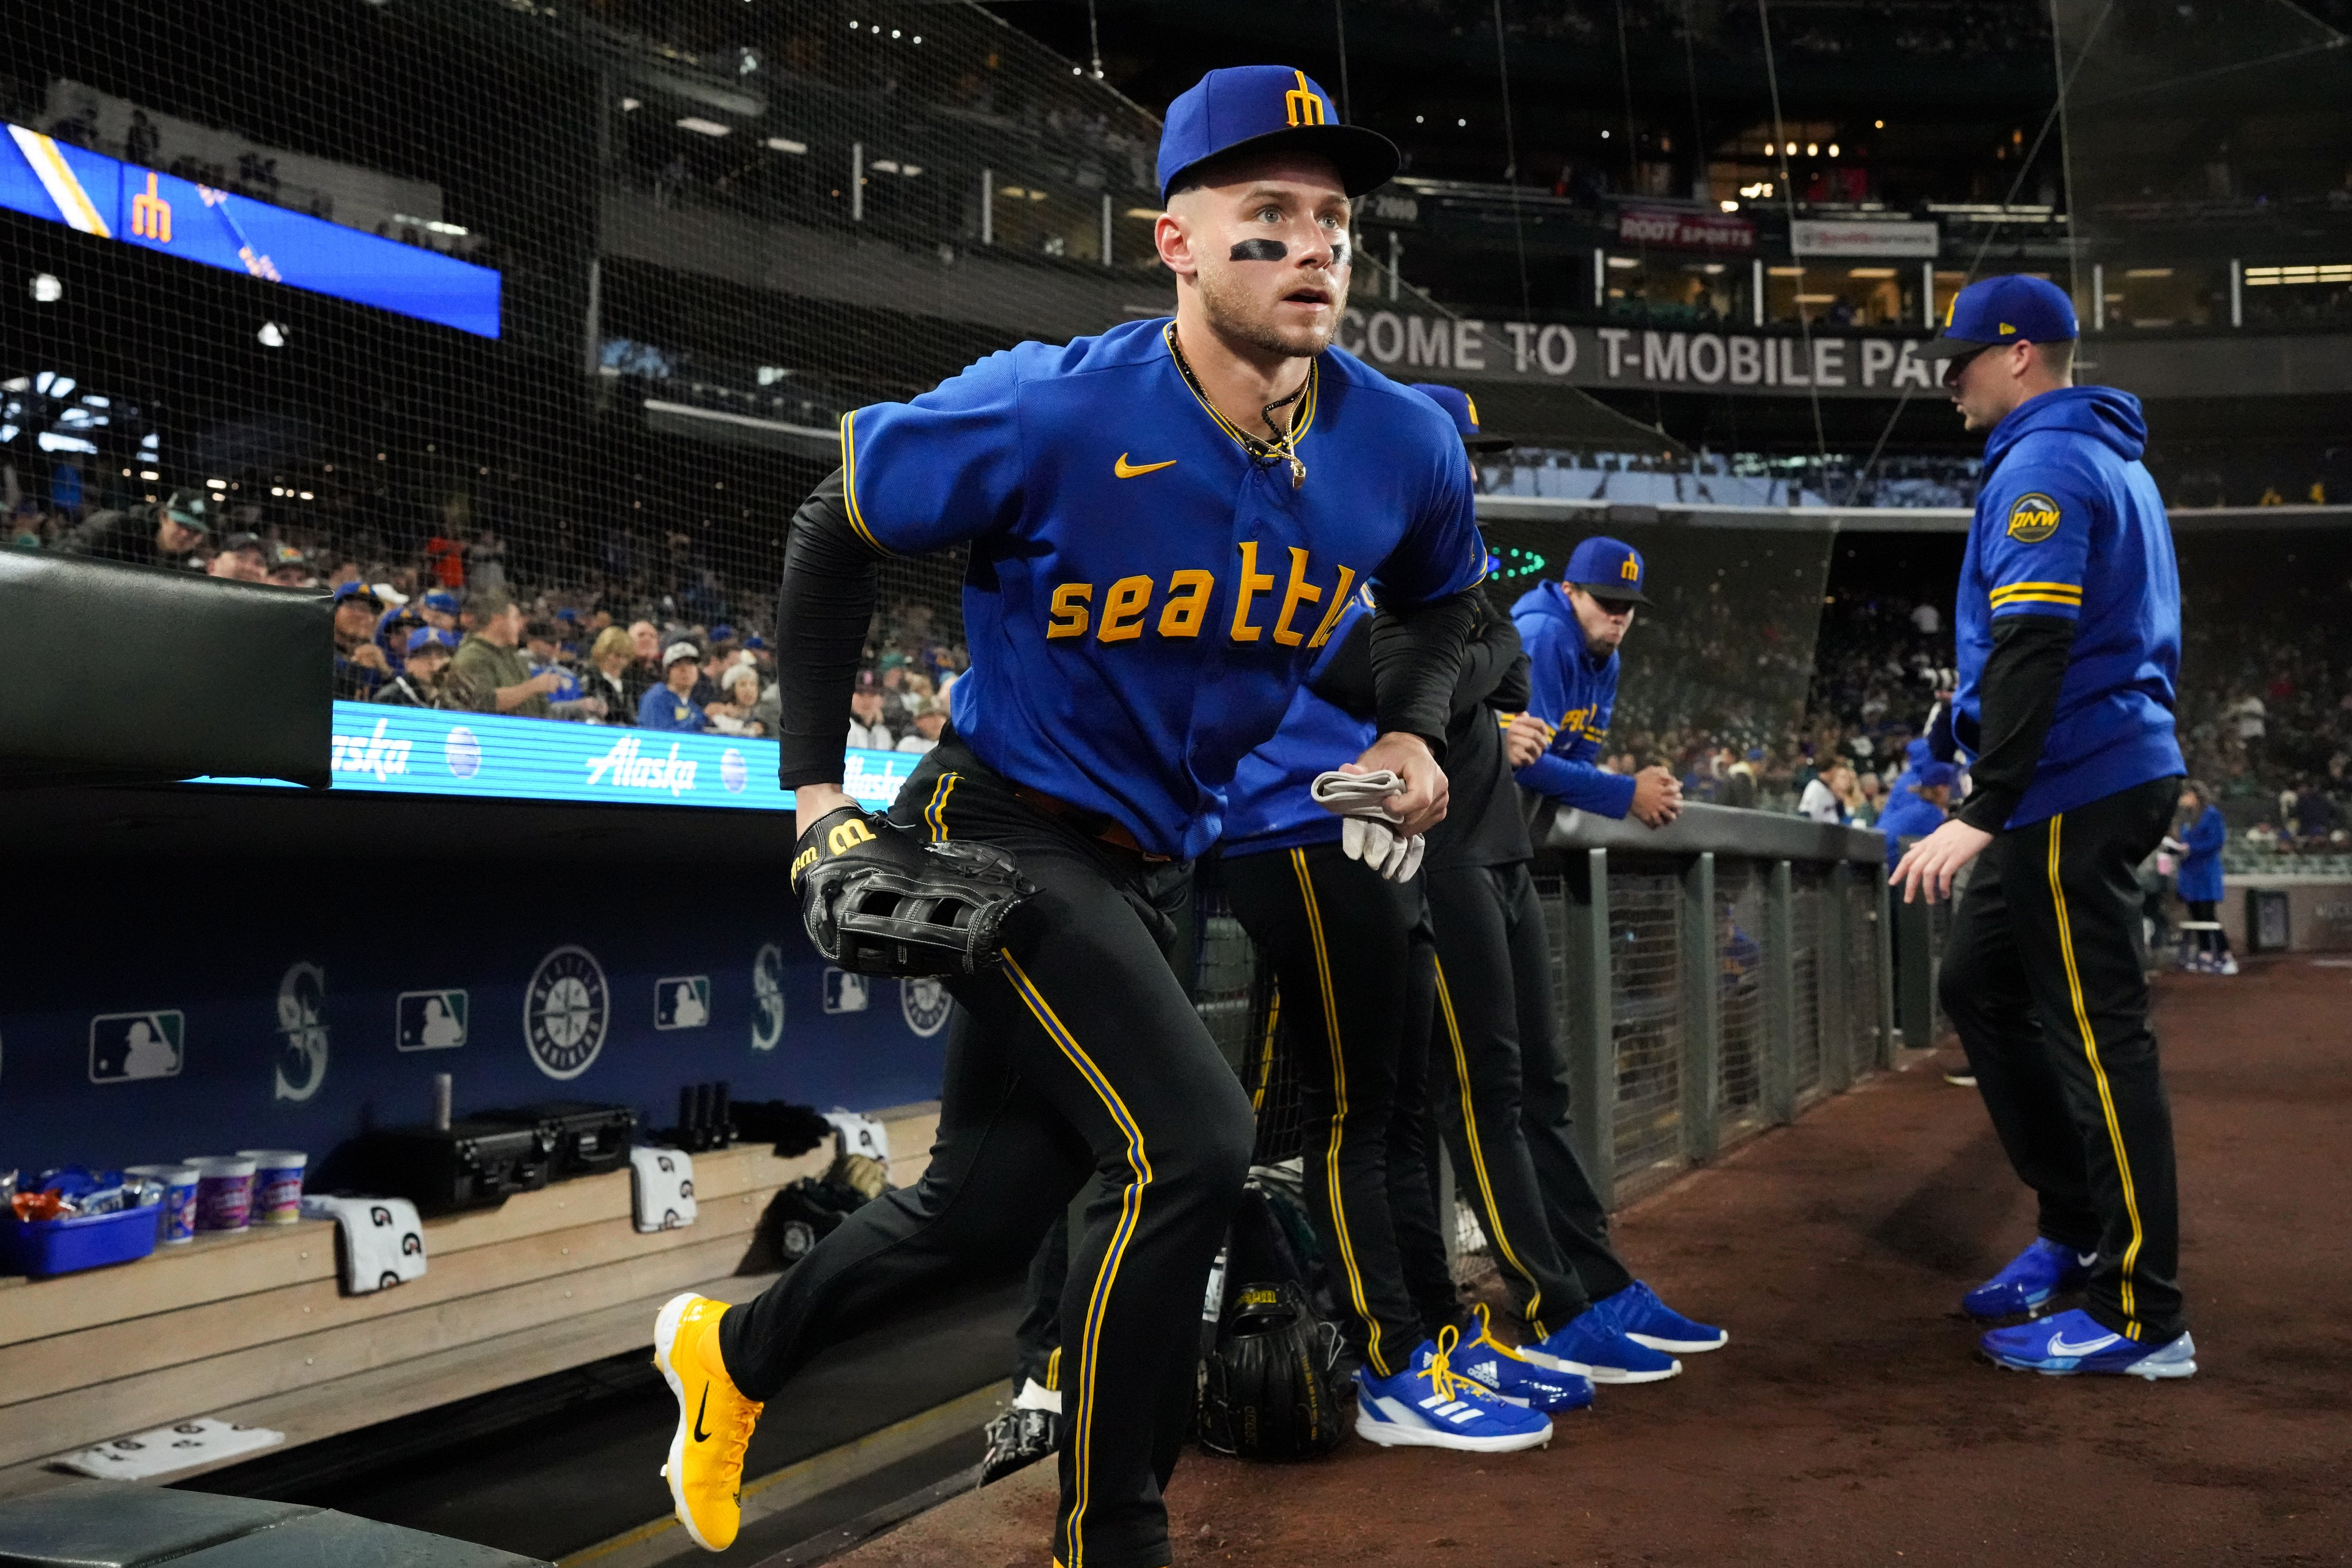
x,y
1268,806
2068,523
1142,598
1576,694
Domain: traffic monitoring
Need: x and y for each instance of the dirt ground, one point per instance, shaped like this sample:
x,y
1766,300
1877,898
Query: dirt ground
x,y
1849,1421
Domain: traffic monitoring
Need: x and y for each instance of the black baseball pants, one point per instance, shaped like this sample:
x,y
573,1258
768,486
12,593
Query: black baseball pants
x,y
2041,977
1342,938
1508,1120
1079,1056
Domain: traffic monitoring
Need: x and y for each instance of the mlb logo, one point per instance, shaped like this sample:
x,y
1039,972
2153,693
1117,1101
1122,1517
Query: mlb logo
x,y
682,1001
430,1020
123,1046
845,992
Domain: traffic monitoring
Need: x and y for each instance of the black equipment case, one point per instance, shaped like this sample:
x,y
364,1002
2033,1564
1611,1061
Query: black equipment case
x,y
474,1163
584,1138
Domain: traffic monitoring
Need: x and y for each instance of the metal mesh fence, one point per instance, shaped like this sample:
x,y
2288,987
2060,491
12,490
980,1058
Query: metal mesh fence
x,y
1740,888
1646,990
1806,919
1859,971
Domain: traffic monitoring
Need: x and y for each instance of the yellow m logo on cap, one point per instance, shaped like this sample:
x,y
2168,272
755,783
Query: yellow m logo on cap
x,y
2006,328
1301,103
1632,570
1472,403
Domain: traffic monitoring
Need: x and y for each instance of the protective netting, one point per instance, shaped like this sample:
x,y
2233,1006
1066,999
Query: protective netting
x,y
1645,979
1740,888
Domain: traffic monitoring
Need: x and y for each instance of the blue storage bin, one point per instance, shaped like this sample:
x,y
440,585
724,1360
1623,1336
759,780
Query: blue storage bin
x,y
44,1247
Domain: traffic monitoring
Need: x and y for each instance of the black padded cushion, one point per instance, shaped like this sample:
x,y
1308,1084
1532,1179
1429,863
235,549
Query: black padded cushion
x,y
136,674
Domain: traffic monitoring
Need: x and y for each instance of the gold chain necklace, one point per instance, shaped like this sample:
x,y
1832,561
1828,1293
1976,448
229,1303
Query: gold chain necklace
x,y
1259,450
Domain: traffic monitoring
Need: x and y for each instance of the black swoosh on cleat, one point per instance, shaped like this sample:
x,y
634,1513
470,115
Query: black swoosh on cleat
x,y
700,1435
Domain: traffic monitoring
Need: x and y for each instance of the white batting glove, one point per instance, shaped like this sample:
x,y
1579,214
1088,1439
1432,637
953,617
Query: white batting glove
x,y
1366,833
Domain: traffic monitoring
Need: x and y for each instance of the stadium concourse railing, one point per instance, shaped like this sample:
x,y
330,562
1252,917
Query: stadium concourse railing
x,y
1713,977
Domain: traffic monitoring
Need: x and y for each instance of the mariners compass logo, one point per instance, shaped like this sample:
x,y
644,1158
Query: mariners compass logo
x,y
565,1012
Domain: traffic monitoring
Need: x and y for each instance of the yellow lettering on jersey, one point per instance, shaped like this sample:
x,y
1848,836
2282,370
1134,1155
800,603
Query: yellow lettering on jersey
x,y
1070,610
848,836
1254,582
1123,608
1188,602
1338,604
1300,592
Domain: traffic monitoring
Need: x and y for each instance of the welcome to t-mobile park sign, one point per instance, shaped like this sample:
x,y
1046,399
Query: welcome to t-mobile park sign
x,y
1770,364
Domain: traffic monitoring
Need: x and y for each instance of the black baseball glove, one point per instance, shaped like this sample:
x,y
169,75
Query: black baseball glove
x,y
1271,1388
878,901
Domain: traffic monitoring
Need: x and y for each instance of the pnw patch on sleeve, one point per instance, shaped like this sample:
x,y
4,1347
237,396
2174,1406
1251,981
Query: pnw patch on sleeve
x,y
2032,518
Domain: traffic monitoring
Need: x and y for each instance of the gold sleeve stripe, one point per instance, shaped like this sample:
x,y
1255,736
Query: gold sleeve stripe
x,y
849,482
2016,598
2038,590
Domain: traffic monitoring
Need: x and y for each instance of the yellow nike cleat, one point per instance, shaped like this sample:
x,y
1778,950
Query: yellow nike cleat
x,y
714,1422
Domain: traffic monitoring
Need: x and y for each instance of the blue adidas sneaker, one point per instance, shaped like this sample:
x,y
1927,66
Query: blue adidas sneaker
x,y
1594,1344
2073,1342
1429,1405
1649,1321
1513,1378
2030,1279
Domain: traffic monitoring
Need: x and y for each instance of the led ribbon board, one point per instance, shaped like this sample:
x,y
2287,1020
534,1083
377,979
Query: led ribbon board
x,y
388,750
113,200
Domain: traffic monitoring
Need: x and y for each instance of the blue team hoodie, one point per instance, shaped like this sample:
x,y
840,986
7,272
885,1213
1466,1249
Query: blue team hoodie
x,y
2069,523
1575,694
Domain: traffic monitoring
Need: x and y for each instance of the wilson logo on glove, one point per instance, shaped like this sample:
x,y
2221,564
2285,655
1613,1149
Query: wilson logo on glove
x,y
878,901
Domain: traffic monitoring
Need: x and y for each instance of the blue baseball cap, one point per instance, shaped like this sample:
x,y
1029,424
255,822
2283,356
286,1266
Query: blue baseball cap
x,y
1464,412
431,637
350,590
1268,108
2005,309
1608,568
1928,775
440,600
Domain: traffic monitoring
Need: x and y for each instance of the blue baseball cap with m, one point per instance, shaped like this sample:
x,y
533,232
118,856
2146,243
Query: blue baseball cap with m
x,y
1463,412
2013,308
1608,568
1267,108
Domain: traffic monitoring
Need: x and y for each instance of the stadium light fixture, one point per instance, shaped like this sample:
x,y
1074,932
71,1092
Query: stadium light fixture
x,y
702,127
1870,272
1728,206
1812,148
630,105
786,144
1147,214
1462,123
1879,123
1605,136
1791,150
46,289
1834,151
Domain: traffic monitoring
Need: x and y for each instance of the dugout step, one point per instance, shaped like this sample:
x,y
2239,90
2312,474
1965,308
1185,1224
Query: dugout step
x,y
116,1524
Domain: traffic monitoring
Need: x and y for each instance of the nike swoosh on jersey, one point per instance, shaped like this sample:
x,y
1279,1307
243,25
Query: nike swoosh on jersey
x,y
1127,470
2061,1345
700,1435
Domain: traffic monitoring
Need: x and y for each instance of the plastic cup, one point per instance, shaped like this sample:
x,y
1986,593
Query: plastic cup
x,y
224,1191
178,1221
276,1184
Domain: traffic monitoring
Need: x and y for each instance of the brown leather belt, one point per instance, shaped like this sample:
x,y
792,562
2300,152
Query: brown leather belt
x,y
1093,824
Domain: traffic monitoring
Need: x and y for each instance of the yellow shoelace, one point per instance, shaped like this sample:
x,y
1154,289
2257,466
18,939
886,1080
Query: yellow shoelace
x,y
1486,1334
1446,1383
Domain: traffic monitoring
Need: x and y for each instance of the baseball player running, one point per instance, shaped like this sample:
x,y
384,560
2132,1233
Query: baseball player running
x,y
2069,631
1165,524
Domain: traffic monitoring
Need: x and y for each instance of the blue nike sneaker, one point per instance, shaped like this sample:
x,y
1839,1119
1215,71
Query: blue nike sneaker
x,y
1649,1321
1429,1405
1594,1344
2029,1279
1513,1378
2074,1342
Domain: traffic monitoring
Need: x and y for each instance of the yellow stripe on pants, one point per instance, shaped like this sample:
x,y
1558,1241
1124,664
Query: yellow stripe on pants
x,y
1478,1156
2098,1073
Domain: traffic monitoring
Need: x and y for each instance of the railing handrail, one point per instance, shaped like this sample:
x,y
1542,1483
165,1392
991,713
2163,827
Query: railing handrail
x,y
1723,829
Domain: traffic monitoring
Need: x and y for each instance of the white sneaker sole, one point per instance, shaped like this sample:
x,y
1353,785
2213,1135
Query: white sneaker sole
x,y
1602,1374
664,1337
1680,1346
1393,1435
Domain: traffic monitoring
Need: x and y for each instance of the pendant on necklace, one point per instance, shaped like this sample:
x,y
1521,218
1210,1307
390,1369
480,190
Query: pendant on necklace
x,y
1298,470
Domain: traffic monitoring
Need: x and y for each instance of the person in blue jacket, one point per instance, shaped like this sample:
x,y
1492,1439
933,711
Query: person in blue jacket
x,y
1916,805
1571,630
2068,629
2198,880
671,704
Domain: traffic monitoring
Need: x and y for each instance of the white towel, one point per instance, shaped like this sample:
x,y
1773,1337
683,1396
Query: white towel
x,y
861,1136
202,1441
661,1183
383,1241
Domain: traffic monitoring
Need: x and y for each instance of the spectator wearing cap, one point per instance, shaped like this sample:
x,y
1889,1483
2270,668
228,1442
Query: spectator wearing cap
x,y
931,716
489,673
1917,809
671,704
1826,795
425,660
867,730
242,558
737,712
167,533
359,663
607,675
290,568
438,610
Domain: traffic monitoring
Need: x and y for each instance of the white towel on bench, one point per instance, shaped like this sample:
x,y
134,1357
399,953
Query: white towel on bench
x,y
383,1239
661,1184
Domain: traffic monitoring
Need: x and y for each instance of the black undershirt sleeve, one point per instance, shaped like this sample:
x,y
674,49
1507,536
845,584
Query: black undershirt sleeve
x,y
1416,659
1346,679
823,610
1487,665
2021,680
1512,693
